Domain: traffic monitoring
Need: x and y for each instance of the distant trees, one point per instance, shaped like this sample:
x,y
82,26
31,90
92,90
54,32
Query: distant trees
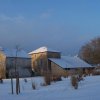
x,y
90,52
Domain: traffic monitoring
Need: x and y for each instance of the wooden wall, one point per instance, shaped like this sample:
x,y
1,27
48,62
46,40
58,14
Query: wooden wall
x,y
57,70
2,65
53,55
39,61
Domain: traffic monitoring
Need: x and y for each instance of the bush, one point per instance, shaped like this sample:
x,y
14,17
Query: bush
x,y
80,78
79,72
74,82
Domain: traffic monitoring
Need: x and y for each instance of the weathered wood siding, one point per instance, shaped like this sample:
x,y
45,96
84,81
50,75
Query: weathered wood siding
x,y
2,65
39,61
57,70
85,71
53,55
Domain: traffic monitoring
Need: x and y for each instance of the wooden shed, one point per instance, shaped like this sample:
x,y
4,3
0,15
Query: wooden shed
x,y
68,65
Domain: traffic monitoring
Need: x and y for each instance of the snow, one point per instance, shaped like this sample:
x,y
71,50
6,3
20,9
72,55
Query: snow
x,y
76,61
62,63
89,89
12,53
70,62
43,49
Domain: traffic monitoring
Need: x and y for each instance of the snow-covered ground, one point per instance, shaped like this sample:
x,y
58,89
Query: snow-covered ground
x,y
89,89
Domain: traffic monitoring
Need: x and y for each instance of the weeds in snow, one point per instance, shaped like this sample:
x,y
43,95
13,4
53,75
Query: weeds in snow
x,y
33,86
74,82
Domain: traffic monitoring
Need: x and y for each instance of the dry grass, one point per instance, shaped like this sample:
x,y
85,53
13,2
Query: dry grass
x,y
74,82
96,73
33,86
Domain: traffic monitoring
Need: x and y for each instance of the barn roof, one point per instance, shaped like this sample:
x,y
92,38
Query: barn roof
x,y
12,53
70,62
43,49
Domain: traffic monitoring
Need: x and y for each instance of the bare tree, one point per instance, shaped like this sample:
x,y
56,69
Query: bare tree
x,y
16,70
90,52
17,49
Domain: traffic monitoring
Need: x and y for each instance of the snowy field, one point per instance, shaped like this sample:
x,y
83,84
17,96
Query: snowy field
x,y
89,89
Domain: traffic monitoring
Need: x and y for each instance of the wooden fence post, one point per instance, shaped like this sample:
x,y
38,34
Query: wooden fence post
x,y
12,84
17,84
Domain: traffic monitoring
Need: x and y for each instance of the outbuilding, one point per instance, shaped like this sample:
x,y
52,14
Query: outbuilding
x,y
12,61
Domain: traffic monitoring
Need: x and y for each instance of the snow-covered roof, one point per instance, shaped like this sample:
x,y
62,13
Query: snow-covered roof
x,y
62,63
70,62
43,49
12,53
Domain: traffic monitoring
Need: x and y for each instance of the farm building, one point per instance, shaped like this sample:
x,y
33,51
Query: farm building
x,y
12,60
39,59
69,65
45,59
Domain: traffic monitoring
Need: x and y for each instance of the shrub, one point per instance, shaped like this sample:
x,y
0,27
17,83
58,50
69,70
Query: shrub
x,y
80,78
80,72
74,82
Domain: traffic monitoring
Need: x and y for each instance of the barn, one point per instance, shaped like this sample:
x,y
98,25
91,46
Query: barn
x,y
45,59
12,60
68,65
39,59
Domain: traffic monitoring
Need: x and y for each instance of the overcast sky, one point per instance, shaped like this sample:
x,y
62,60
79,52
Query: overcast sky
x,y
63,25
